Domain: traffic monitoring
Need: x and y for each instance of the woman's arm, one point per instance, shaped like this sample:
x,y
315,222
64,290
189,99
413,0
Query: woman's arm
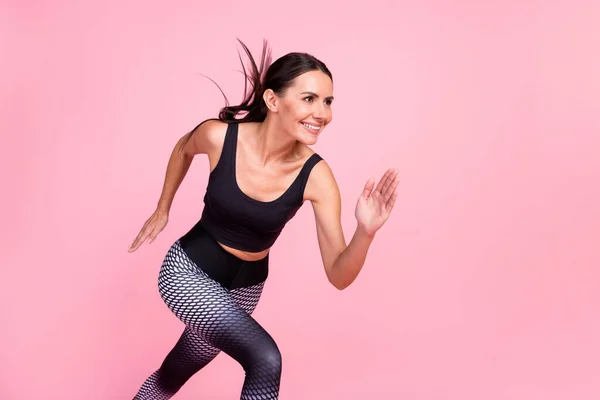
x,y
343,262
177,168
199,141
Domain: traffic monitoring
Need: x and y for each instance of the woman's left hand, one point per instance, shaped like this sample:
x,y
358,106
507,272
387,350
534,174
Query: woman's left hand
x,y
375,203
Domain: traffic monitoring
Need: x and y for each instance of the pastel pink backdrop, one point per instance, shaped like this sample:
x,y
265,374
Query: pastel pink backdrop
x,y
484,283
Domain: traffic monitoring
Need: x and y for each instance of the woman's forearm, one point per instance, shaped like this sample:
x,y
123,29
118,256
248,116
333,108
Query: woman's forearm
x,y
177,168
349,263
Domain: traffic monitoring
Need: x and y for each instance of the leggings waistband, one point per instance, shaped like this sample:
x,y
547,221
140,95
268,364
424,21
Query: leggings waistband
x,y
225,268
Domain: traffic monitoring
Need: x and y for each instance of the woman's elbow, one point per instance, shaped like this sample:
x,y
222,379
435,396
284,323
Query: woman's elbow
x,y
338,283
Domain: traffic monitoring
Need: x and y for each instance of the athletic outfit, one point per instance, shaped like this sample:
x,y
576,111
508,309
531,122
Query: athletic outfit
x,y
214,293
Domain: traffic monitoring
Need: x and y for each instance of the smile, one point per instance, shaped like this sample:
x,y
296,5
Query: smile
x,y
314,129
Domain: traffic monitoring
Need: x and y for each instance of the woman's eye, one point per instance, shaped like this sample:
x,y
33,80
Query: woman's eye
x,y
308,98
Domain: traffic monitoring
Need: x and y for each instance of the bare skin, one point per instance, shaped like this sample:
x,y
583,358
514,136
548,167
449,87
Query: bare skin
x,y
269,157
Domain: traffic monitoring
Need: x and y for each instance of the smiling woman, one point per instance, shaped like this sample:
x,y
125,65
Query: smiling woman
x,y
262,170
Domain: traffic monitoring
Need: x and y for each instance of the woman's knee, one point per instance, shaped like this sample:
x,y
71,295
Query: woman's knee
x,y
273,359
266,357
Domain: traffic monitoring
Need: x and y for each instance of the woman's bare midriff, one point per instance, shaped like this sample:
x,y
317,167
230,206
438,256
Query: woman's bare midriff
x,y
244,255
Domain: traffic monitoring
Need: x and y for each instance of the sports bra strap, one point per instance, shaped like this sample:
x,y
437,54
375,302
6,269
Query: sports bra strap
x,y
302,178
229,146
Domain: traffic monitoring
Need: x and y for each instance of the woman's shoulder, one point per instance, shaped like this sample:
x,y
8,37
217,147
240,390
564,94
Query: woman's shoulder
x,y
321,180
209,135
214,130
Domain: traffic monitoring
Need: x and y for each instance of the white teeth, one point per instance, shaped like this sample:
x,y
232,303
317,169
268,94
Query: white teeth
x,y
311,126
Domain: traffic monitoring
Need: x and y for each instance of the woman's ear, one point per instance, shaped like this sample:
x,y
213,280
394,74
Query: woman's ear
x,y
271,100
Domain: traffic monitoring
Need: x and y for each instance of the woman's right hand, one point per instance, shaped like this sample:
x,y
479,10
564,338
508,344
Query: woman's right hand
x,y
153,226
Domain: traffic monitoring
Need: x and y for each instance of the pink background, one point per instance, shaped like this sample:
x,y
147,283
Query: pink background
x,y
484,283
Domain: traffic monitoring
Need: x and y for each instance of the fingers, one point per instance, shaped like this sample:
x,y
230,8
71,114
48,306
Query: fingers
x,y
141,237
138,241
368,188
391,185
384,180
390,204
387,182
153,235
135,242
153,226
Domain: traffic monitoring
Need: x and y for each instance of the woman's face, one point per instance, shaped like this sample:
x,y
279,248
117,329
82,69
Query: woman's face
x,y
305,108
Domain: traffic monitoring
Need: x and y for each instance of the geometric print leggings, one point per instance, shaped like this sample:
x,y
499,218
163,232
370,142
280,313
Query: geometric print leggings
x,y
216,319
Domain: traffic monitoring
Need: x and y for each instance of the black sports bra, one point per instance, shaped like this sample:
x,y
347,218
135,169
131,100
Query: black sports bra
x,y
239,221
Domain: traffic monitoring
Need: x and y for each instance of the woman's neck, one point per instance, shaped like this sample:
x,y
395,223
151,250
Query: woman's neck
x,y
272,143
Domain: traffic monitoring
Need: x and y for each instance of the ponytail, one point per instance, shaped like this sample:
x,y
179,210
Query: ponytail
x,y
252,105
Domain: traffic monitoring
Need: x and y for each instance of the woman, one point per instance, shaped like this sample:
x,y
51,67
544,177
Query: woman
x,y
261,172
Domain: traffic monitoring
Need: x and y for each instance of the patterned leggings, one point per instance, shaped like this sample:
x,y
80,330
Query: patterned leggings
x,y
216,319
